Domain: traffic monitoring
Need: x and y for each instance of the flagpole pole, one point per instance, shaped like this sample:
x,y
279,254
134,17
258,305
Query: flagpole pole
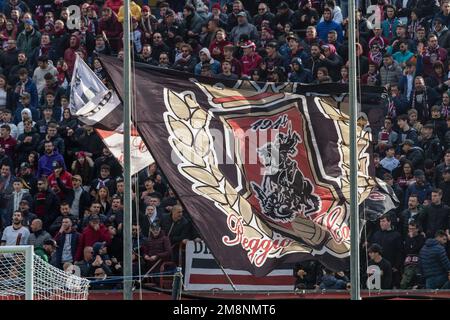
x,y
127,210
354,214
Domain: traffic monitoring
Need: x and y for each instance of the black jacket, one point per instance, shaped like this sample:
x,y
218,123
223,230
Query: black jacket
x,y
434,218
432,149
391,243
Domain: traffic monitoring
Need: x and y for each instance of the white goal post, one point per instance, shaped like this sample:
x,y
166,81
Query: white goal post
x,y
24,275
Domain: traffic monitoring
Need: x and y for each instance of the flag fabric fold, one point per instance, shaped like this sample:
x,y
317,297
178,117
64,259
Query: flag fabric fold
x,y
263,169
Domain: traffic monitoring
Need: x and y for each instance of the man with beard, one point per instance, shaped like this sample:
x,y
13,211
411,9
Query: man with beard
x,y
46,203
420,187
158,46
243,28
45,163
441,31
430,144
15,234
432,53
435,216
146,55
411,214
42,69
110,27
22,62
413,153
390,72
186,61
423,98
263,14
9,58
29,39
67,240
314,62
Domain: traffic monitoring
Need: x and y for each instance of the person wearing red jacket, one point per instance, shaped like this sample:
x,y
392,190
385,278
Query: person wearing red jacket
x,y
251,59
94,232
217,45
70,53
114,5
7,142
111,28
157,248
58,177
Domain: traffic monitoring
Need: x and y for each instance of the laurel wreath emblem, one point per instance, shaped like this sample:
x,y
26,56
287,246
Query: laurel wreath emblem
x,y
188,126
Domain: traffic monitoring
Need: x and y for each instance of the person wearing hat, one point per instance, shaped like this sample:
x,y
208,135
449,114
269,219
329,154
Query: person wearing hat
x,y
148,23
217,15
441,30
29,39
243,28
114,5
28,179
47,251
251,59
283,17
206,59
421,187
376,258
299,73
94,232
378,38
273,57
25,88
305,16
413,153
110,27
401,34
157,249
430,144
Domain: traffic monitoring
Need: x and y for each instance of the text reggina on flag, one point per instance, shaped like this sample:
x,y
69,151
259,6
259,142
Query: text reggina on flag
x,y
261,168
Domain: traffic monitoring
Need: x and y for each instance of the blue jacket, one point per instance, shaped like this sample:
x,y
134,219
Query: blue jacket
x,y
304,76
433,259
31,88
45,163
215,68
326,26
385,26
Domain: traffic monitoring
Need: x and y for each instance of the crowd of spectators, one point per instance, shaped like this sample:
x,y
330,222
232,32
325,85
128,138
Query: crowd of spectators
x,y
62,190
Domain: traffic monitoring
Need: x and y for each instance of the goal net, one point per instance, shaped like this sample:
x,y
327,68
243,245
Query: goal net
x,y
24,275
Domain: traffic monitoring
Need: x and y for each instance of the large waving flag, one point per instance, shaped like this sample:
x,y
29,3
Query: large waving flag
x,y
263,169
96,105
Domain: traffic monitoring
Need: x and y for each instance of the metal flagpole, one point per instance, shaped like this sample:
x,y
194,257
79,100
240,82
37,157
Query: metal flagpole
x,y
354,216
127,210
